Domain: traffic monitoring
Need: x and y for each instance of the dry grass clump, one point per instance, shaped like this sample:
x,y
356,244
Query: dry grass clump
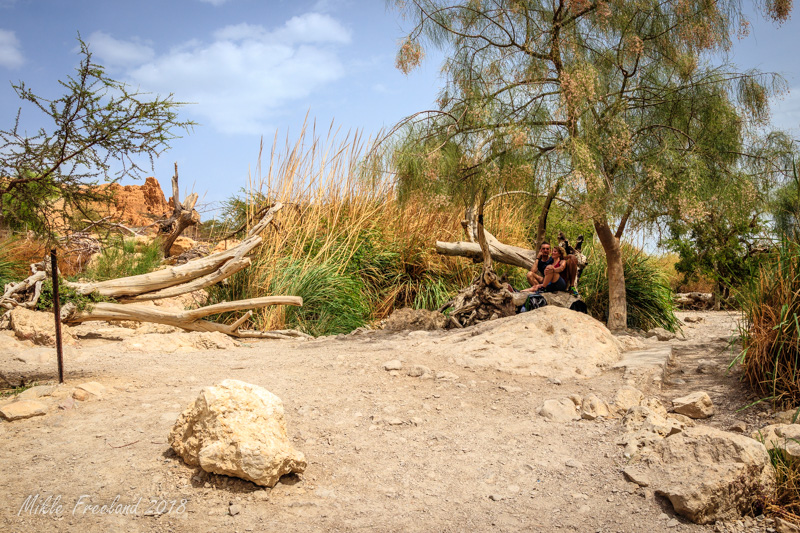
x,y
343,242
771,331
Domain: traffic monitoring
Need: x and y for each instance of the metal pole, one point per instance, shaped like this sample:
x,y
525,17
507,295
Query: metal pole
x,y
57,313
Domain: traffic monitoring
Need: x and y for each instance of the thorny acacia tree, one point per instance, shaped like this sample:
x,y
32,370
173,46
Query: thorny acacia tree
x,y
611,98
100,128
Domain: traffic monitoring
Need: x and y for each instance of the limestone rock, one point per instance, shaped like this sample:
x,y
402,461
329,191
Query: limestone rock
x,y
661,334
36,392
593,407
626,398
549,342
136,205
237,429
694,405
640,418
394,364
708,474
37,327
784,437
23,409
414,320
81,395
182,244
561,410
92,388
418,371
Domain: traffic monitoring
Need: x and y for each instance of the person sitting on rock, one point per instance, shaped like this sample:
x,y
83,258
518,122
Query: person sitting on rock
x,y
553,280
536,274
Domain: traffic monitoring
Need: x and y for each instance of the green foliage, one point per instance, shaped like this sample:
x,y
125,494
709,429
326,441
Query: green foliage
x,y
786,207
123,258
83,302
11,270
333,302
649,296
770,333
100,128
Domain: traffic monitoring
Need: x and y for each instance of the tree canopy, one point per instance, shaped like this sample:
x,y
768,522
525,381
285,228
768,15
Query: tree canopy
x,y
612,104
100,128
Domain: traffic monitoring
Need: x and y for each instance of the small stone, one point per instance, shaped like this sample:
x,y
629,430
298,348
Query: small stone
x,y
738,427
67,403
562,410
572,463
706,367
496,497
510,388
394,422
234,509
554,381
673,523
695,405
93,388
23,409
661,334
418,371
576,399
634,475
446,376
80,395
417,421
394,364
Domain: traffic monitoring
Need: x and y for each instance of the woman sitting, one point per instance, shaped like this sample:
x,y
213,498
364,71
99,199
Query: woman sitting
x,y
553,279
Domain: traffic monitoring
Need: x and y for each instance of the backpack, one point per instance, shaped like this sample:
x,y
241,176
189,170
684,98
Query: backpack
x,y
534,301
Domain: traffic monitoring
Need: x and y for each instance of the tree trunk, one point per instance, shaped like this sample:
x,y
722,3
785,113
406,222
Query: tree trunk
x,y
541,226
183,215
617,303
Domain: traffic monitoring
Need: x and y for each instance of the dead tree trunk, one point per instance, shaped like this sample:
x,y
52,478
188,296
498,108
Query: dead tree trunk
x,y
183,216
486,298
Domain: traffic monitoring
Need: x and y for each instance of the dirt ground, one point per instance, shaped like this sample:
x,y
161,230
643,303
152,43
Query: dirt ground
x,y
386,451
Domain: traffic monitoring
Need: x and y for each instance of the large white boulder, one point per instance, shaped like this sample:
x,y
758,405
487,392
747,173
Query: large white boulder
x,y
237,429
549,342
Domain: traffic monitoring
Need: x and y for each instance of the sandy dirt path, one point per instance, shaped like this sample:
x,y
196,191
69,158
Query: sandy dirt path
x,y
386,451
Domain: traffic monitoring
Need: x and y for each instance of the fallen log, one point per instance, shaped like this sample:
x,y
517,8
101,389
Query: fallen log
x,y
181,279
190,320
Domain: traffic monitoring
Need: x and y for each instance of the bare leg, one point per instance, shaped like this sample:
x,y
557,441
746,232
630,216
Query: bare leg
x,y
550,276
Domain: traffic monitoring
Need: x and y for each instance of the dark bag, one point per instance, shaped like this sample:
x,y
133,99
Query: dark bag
x,y
534,301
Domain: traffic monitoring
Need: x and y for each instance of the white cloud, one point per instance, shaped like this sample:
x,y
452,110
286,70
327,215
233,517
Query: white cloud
x,y
111,52
249,73
10,52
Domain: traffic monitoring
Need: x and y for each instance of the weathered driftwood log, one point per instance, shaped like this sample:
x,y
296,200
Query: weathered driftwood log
x,y
19,295
695,300
191,320
183,215
181,279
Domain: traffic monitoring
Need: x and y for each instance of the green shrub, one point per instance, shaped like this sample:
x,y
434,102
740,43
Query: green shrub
x,y
647,290
83,302
124,258
770,331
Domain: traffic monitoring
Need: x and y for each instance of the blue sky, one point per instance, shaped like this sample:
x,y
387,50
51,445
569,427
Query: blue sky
x,y
254,67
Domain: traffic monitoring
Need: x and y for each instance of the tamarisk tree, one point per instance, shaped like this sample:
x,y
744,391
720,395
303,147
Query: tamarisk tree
x,y
99,128
612,104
